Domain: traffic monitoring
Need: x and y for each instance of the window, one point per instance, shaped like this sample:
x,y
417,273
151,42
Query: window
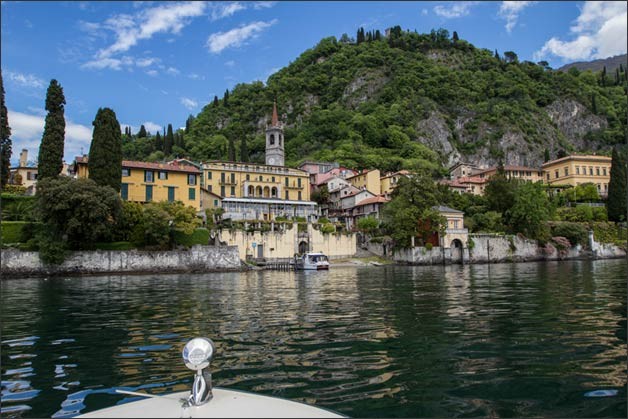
x,y
149,193
149,176
299,183
287,196
556,173
191,179
222,177
566,171
124,191
215,202
170,193
222,191
548,177
273,179
126,172
233,191
590,171
272,139
209,175
163,175
299,195
604,171
209,188
232,177
248,177
597,171
261,179
287,182
577,170
191,194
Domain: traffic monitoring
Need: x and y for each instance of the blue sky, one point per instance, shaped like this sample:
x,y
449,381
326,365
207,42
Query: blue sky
x,y
155,62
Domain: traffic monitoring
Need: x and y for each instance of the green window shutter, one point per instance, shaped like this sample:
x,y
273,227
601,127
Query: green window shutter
x,y
170,193
124,191
192,194
149,193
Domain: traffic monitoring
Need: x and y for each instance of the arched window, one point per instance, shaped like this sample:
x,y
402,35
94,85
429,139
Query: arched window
x,y
272,139
266,192
259,191
251,190
273,192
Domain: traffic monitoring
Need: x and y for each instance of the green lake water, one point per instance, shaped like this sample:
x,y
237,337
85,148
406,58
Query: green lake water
x,y
506,340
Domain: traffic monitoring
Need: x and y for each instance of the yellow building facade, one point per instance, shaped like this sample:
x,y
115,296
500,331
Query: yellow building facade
x,y
369,180
577,170
389,182
147,182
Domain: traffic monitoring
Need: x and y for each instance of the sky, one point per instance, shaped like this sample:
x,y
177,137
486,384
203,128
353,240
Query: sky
x,y
155,63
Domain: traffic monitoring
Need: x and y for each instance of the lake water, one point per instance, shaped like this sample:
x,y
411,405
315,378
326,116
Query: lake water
x,y
507,340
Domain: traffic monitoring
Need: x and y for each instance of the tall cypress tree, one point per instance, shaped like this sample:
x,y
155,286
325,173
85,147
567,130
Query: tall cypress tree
x,y
5,139
244,150
190,120
231,149
225,98
617,190
168,141
142,132
50,160
105,152
215,101
159,143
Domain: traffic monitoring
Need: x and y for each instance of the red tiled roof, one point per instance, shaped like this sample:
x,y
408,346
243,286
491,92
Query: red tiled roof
x,y
372,200
146,165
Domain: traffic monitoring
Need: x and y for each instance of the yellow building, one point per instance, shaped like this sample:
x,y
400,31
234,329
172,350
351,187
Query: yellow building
x,y
577,170
24,175
145,182
389,181
529,174
369,180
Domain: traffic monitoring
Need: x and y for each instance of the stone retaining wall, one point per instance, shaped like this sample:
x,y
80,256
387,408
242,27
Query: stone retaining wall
x,y
196,259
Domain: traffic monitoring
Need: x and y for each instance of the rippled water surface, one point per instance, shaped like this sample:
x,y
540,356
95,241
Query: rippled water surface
x,y
517,340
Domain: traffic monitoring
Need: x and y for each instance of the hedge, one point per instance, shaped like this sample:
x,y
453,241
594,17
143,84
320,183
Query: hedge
x,y
199,236
12,231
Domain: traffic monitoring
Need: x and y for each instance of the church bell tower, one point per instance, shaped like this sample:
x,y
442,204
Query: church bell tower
x,y
274,140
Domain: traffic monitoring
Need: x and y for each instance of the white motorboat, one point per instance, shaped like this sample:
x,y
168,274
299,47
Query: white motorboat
x,y
207,402
312,261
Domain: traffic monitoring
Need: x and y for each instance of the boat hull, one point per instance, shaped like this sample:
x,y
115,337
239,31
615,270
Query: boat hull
x,y
224,404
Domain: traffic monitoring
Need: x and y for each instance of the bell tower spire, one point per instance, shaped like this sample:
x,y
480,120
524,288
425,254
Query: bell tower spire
x,y
274,140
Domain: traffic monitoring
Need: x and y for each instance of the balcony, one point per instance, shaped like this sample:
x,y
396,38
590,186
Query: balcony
x,y
293,187
227,182
456,231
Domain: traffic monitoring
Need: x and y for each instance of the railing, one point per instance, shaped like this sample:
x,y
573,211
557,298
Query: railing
x,y
456,231
227,182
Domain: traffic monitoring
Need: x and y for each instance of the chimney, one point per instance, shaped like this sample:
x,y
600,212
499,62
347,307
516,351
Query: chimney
x,y
23,157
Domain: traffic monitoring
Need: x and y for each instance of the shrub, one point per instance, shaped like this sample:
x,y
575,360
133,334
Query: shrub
x,y
199,236
599,214
17,207
429,246
12,231
574,232
323,220
51,251
327,228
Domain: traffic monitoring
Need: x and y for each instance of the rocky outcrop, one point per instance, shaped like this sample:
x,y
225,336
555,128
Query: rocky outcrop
x,y
574,121
434,133
364,87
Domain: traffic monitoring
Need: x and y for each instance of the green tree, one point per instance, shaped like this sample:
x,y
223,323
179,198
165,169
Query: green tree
x,y
161,219
617,190
105,152
159,142
232,149
500,192
530,211
50,161
168,141
78,212
5,139
190,121
546,155
142,132
455,37
368,224
244,150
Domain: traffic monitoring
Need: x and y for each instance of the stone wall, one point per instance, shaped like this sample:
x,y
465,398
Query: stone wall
x,y
196,259
284,244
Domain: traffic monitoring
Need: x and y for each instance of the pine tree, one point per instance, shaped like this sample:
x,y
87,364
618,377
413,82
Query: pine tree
x,y
360,36
50,160
497,55
455,36
603,77
142,132
546,156
215,101
617,188
5,139
225,98
105,152
378,35
244,150
168,141
159,143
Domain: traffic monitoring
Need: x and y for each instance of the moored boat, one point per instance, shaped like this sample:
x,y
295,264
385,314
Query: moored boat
x,y
312,261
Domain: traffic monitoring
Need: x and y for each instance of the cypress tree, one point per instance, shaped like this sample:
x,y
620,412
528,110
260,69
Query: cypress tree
x,y
215,101
231,150
244,150
225,98
50,160
5,139
593,104
455,36
616,203
159,144
378,35
546,156
142,132
168,141
188,122
105,152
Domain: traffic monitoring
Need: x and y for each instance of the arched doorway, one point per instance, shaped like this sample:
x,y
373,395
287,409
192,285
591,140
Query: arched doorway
x,y
259,191
266,192
273,192
303,247
251,190
456,251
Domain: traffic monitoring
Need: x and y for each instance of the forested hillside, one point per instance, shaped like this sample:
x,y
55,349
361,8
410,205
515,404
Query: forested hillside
x,y
407,100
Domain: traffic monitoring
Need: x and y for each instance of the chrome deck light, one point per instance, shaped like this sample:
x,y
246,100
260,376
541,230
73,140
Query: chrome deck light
x,y
197,355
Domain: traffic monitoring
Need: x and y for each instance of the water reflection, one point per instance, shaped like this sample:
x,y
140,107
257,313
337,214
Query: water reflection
x,y
482,340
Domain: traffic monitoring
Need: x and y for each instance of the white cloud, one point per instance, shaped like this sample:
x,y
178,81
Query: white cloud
x,y
145,62
257,5
24,80
454,10
195,76
189,103
27,130
152,127
600,32
152,73
424,12
510,11
172,71
221,10
130,29
236,37
113,63
230,63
